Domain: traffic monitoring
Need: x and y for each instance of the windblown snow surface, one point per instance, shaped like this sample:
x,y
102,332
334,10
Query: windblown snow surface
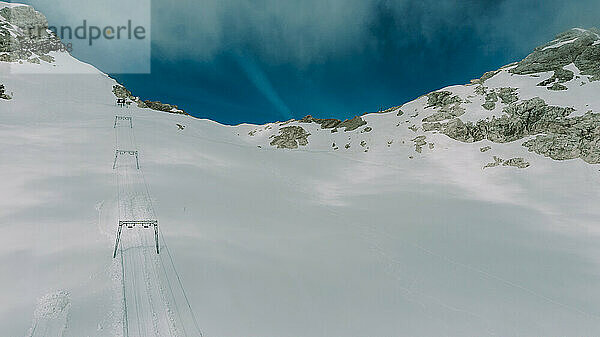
x,y
321,240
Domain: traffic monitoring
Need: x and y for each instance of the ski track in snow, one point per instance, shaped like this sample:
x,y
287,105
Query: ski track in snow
x,y
151,302
535,276
51,315
148,312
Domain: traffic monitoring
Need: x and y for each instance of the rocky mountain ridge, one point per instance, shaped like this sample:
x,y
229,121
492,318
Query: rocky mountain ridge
x,y
459,227
504,105
498,112
24,35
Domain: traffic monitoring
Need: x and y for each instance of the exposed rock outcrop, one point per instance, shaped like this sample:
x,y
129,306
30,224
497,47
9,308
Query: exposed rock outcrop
x,y
561,75
517,162
557,136
327,123
381,111
447,104
506,96
290,137
24,35
158,106
441,99
419,143
490,101
332,123
497,161
574,46
557,87
569,138
352,124
520,119
487,76
3,94
121,92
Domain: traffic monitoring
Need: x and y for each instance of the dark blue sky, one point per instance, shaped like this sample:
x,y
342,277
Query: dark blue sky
x,y
266,60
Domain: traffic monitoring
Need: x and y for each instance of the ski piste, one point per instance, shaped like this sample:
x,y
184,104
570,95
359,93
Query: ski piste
x,y
150,303
373,239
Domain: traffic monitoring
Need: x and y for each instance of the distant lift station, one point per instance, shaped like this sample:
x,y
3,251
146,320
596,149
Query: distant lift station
x,y
123,102
129,152
131,224
123,118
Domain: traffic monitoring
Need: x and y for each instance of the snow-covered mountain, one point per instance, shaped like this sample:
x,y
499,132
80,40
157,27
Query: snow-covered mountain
x,y
470,211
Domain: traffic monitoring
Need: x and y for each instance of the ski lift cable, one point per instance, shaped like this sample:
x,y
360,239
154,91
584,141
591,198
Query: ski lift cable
x,y
122,183
172,295
153,210
149,205
181,286
134,272
125,318
148,195
153,267
162,238
149,271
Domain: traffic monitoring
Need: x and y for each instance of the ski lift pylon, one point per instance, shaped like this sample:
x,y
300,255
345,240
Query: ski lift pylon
x,y
131,224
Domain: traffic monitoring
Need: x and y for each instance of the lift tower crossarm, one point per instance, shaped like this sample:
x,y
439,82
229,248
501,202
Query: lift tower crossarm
x,y
131,224
123,118
129,152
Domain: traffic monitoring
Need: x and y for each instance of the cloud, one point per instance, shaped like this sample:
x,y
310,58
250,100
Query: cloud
x,y
116,55
316,31
303,35
309,31
282,31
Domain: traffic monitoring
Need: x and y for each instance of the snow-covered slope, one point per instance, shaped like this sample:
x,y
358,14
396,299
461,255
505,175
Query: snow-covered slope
x,y
384,230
